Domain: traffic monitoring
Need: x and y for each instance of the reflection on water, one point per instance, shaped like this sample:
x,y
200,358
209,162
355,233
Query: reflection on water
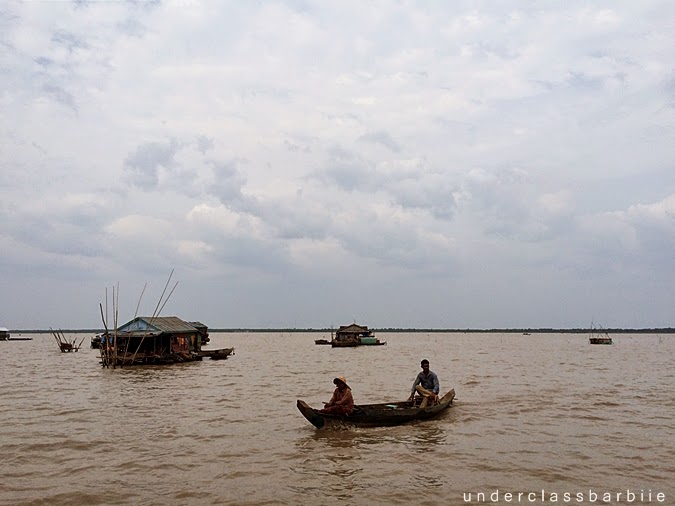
x,y
531,412
426,438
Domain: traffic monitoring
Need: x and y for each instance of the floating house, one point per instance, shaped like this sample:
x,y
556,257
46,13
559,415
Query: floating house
x,y
157,340
4,334
354,335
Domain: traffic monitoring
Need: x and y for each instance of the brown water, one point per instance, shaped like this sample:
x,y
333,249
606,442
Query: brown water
x,y
533,413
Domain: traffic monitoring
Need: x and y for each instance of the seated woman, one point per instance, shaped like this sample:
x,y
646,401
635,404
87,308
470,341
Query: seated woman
x,y
342,402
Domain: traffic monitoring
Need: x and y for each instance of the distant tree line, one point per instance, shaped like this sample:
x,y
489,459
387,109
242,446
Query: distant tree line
x,y
664,330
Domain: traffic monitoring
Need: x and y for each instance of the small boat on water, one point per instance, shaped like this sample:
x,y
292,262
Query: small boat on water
x,y
321,341
599,336
220,354
376,415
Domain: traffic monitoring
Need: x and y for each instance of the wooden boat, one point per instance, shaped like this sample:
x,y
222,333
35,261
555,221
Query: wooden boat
x,y
599,336
600,340
219,354
376,415
372,341
321,341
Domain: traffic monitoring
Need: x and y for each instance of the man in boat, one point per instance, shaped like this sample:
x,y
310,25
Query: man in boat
x,y
342,402
426,384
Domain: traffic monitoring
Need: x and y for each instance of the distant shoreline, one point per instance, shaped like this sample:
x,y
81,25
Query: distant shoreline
x,y
666,330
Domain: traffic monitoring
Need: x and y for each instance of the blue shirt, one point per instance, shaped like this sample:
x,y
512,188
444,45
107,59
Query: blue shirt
x,y
429,382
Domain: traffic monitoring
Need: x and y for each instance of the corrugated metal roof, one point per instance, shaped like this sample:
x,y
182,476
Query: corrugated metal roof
x,y
164,324
353,327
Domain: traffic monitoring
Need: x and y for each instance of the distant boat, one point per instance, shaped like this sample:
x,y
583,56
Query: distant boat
x,y
349,336
97,341
5,336
598,335
321,341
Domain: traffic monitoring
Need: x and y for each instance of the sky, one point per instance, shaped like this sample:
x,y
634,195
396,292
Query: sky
x,y
309,164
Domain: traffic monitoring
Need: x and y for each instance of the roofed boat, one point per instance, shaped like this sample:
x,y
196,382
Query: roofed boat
x,y
376,415
348,336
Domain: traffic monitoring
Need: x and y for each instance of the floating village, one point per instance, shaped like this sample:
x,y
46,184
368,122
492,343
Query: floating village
x,y
164,340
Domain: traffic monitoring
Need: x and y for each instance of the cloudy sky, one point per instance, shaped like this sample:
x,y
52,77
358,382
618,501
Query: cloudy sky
x,y
306,163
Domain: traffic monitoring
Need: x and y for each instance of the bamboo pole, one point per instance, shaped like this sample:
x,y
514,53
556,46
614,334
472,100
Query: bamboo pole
x,y
155,314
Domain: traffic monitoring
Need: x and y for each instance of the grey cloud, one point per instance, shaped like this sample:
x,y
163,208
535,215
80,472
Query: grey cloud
x,y
61,95
204,144
43,61
252,253
347,170
142,166
74,230
69,40
132,27
296,147
297,219
381,138
581,80
228,187
410,189
504,199
349,177
434,196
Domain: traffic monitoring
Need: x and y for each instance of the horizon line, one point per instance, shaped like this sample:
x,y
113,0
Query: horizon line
x,y
539,330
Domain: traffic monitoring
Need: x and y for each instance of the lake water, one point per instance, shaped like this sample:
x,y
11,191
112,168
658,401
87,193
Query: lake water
x,y
541,415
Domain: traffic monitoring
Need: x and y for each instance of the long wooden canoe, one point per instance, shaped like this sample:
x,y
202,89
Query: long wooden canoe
x,y
376,415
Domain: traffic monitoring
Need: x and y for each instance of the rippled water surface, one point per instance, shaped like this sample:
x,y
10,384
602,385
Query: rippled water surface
x,y
541,413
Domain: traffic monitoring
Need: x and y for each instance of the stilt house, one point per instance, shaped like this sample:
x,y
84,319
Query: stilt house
x,y
162,339
351,335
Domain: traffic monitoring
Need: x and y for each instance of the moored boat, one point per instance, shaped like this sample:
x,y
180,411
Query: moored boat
x,y
599,335
376,415
600,340
220,354
349,336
